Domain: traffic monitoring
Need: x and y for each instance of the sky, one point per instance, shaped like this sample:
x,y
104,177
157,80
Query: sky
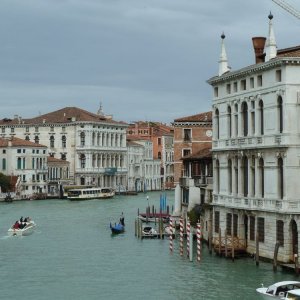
x,y
141,59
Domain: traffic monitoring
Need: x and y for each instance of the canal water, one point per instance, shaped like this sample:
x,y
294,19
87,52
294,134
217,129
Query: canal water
x,y
72,255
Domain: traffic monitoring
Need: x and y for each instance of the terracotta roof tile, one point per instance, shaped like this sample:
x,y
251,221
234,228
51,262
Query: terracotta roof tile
x,y
203,117
64,115
203,153
289,52
16,142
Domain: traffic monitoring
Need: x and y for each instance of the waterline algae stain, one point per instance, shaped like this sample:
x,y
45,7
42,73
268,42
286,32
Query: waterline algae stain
x,y
73,255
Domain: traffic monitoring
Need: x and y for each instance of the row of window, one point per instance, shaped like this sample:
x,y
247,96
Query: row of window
x,y
27,129
248,122
232,227
245,84
243,174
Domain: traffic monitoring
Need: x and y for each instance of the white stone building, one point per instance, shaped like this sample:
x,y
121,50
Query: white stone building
x,y
167,161
256,149
135,166
94,144
27,161
151,177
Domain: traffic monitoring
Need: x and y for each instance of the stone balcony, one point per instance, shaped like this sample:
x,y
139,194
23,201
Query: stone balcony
x,y
274,205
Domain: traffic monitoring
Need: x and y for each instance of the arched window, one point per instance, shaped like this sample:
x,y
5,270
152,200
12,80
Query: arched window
x,y
82,161
3,163
280,115
36,139
262,177
229,122
244,113
261,117
27,138
245,175
93,138
236,125
230,176
82,139
159,155
236,175
51,141
19,163
217,126
280,178
252,176
64,141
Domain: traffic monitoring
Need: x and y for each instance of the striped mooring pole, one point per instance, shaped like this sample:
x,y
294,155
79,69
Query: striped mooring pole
x,y
181,237
188,231
198,241
171,235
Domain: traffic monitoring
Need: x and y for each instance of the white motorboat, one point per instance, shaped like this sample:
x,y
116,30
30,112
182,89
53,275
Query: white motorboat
x,y
26,230
278,290
293,295
90,193
149,231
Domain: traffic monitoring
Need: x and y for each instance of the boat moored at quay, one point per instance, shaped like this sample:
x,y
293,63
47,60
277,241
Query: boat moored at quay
x,y
90,193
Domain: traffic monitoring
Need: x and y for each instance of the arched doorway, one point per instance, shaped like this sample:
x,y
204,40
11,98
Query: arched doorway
x,y
294,238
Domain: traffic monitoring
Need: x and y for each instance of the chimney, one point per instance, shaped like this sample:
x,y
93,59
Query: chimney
x,y
259,45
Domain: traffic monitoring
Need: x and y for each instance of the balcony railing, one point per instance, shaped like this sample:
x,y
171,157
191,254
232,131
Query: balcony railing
x,y
284,206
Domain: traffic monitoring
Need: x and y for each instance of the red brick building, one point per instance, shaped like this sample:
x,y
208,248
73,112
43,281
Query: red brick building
x,y
191,135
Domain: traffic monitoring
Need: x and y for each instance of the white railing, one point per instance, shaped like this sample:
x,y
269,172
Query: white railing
x,y
288,206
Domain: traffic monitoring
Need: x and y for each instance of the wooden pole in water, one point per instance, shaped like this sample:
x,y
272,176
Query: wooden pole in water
x,y
275,256
225,241
220,241
199,241
232,252
135,221
161,229
141,229
257,249
191,246
188,236
171,235
296,264
181,236
210,235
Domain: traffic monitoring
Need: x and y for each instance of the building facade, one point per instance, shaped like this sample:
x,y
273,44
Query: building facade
x,y
161,136
256,149
94,144
191,135
27,161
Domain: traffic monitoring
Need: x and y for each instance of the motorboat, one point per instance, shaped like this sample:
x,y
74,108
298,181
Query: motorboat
x,y
90,193
293,295
278,290
154,217
149,231
22,231
117,228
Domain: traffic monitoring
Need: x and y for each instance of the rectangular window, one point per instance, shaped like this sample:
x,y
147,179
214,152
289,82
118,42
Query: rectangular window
x,y
278,75
12,130
33,177
261,229
3,163
19,151
159,141
51,128
3,129
63,129
216,92
36,129
259,80
252,228
229,224
27,128
186,152
243,85
217,221
235,225
228,88
280,232
187,135
4,151
251,82
235,87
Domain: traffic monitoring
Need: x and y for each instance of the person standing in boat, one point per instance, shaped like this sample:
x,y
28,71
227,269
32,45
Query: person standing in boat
x,y
122,219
